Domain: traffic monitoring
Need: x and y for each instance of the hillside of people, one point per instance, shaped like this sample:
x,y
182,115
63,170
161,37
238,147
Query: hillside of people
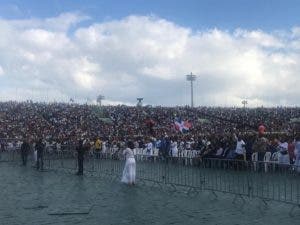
x,y
209,128
61,121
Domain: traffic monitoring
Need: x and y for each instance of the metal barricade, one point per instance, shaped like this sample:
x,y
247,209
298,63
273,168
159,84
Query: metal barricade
x,y
262,180
9,149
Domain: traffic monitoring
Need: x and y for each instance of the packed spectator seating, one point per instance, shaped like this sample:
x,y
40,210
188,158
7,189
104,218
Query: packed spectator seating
x,y
215,132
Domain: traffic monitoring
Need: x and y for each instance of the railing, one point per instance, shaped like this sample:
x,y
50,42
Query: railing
x,y
241,178
262,180
9,156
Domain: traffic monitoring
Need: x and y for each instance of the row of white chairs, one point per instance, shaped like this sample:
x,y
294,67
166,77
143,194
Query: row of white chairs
x,y
155,152
143,152
269,159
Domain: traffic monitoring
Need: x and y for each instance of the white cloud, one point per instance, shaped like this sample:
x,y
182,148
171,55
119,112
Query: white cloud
x,y
64,21
146,56
259,38
1,71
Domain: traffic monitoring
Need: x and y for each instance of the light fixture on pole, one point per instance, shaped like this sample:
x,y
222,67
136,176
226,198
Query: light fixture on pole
x,y
140,103
191,77
244,102
99,99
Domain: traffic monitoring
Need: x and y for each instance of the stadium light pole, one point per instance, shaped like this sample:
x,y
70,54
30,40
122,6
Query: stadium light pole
x,y
99,99
139,103
244,102
191,77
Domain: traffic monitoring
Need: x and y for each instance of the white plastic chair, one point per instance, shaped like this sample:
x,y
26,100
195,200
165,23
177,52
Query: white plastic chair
x,y
175,155
283,159
144,153
184,156
179,153
139,153
274,157
191,156
254,158
35,156
155,153
267,159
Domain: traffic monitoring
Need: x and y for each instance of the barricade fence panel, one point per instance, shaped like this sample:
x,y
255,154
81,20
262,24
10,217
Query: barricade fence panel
x,y
9,149
263,180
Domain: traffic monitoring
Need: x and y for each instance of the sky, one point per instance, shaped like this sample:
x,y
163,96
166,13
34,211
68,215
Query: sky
x,y
61,49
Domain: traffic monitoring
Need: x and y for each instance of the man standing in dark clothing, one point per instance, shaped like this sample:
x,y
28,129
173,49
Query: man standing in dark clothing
x,y
25,148
80,155
165,147
40,154
2,148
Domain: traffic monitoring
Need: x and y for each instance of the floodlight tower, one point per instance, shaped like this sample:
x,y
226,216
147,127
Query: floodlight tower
x,y
139,103
244,102
99,99
191,77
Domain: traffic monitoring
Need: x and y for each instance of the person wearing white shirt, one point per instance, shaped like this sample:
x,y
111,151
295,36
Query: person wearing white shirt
x,y
149,148
240,148
188,145
283,156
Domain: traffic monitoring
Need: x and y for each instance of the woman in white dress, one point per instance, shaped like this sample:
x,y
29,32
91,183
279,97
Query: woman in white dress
x,y
128,176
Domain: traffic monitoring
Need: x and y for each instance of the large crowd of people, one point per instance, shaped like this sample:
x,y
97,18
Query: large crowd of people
x,y
214,131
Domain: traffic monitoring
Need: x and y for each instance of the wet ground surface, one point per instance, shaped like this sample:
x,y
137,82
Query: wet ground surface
x,y
31,197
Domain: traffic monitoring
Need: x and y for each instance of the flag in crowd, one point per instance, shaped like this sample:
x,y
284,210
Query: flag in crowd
x,y
182,125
